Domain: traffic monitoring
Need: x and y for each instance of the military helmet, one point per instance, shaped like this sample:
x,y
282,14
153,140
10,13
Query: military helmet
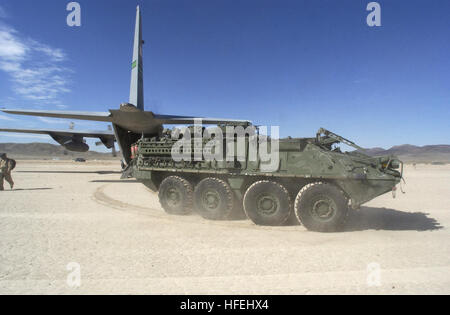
x,y
3,155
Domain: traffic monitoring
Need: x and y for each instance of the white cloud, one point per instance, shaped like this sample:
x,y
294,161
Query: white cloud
x,y
55,53
34,68
7,118
11,49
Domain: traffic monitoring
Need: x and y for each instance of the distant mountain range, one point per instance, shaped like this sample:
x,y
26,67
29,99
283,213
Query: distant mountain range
x,y
406,152
47,151
412,153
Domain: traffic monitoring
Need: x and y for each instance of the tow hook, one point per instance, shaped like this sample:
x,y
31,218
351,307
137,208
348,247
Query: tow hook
x,y
401,186
394,189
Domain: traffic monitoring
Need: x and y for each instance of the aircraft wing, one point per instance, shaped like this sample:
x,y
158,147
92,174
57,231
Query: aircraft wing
x,y
129,118
96,116
174,120
107,134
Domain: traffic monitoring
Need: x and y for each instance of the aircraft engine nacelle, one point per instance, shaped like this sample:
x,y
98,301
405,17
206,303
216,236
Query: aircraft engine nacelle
x,y
76,146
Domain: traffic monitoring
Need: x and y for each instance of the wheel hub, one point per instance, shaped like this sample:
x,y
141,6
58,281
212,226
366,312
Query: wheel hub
x,y
173,197
267,204
211,199
324,208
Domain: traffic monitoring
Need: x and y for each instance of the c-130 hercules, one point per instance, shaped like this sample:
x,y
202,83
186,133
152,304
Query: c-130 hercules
x,y
129,122
312,181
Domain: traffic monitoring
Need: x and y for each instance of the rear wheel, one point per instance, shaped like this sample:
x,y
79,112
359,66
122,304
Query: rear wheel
x,y
175,195
214,199
321,207
267,203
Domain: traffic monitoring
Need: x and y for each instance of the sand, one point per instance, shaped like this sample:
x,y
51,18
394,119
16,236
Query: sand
x,y
64,214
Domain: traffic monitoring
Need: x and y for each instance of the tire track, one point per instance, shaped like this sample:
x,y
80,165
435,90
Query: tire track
x,y
102,198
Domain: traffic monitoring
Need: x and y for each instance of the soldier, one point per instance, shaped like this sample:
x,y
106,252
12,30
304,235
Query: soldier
x,y
6,166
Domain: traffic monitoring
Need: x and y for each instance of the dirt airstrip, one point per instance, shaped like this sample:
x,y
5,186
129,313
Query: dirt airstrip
x,y
63,215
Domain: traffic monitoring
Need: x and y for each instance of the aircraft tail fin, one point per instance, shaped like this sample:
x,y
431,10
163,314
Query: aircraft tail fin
x,y
137,70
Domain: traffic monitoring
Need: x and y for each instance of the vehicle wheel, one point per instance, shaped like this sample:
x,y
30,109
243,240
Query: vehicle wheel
x,y
175,195
267,203
321,207
214,199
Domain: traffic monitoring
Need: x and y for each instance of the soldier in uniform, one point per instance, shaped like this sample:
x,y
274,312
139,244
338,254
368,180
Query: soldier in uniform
x,y
6,166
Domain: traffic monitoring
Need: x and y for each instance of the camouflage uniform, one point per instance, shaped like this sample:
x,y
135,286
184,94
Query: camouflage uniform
x,y
5,171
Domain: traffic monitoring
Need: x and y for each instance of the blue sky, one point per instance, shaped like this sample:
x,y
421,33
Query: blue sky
x,y
297,64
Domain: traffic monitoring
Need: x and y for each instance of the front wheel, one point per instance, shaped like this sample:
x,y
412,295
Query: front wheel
x,y
321,207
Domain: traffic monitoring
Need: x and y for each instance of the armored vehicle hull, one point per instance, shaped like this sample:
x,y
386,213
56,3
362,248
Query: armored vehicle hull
x,y
311,181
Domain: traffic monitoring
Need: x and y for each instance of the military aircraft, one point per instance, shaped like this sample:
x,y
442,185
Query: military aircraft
x,y
130,122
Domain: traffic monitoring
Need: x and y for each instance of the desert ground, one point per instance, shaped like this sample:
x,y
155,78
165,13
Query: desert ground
x,y
63,214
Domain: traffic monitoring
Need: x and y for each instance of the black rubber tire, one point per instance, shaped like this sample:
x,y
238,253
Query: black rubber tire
x,y
331,198
184,192
255,195
222,203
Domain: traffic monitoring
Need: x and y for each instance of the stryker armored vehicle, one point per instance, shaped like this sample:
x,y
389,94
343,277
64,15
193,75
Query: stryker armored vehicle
x,y
313,179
